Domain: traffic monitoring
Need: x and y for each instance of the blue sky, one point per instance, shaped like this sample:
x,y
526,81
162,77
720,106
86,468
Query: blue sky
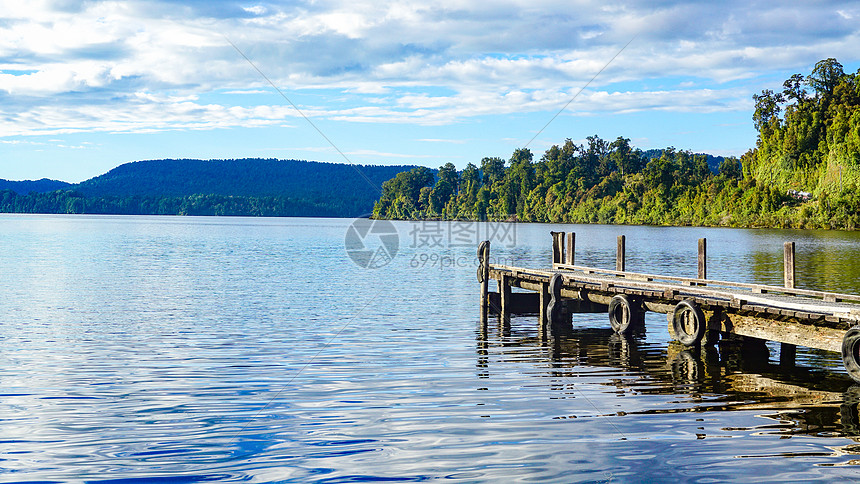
x,y
87,86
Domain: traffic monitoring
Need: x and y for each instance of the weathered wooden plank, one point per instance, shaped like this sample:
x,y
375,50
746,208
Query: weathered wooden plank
x,y
782,331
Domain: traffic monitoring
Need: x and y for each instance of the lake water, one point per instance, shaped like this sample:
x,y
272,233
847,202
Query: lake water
x,y
137,349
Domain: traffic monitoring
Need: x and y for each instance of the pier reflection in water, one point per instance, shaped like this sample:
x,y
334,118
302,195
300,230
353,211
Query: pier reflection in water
x,y
812,398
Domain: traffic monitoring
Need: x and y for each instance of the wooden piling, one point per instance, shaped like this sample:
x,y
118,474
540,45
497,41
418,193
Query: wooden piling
x,y
702,272
484,268
787,352
505,295
571,244
557,247
788,264
544,304
619,254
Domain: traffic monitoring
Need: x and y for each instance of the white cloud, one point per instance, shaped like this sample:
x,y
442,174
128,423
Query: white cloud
x,y
119,66
256,9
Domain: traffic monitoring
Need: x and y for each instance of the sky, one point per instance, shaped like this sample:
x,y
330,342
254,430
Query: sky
x,y
87,86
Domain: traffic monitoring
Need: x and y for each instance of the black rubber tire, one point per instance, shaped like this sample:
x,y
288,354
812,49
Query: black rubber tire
x,y
851,352
481,247
555,306
622,314
555,285
688,334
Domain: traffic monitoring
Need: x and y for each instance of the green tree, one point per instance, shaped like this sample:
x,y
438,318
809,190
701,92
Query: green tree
x,y
824,77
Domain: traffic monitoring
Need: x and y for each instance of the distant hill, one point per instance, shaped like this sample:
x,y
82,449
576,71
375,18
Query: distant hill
x,y
243,178
214,187
40,186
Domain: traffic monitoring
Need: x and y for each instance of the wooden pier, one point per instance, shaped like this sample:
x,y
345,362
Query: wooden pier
x,y
699,310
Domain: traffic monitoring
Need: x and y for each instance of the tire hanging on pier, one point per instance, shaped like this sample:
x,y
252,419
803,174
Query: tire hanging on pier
x,y
624,315
481,248
688,321
555,306
851,352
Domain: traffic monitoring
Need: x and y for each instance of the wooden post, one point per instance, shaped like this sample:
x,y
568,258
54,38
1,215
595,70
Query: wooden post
x,y
557,247
788,264
484,256
571,243
703,259
619,254
505,295
787,352
544,303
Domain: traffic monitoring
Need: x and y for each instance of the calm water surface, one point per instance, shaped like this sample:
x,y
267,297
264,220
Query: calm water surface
x,y
235,349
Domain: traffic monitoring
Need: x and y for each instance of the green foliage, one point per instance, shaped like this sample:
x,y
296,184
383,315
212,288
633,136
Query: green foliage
x,y
809,140
815,145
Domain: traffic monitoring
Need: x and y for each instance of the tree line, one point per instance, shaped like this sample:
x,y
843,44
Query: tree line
x,y
814,148
73,202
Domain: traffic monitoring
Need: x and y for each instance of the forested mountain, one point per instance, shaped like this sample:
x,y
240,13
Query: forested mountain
x,y
242,178
803,172
26,186
265,187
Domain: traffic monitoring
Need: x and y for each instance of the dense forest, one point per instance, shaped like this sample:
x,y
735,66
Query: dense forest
x,y
803,172
252,187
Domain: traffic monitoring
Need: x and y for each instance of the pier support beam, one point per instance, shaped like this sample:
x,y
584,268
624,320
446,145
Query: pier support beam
x,y
505,295
545,297
543,318
702,272
787,354
620,254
